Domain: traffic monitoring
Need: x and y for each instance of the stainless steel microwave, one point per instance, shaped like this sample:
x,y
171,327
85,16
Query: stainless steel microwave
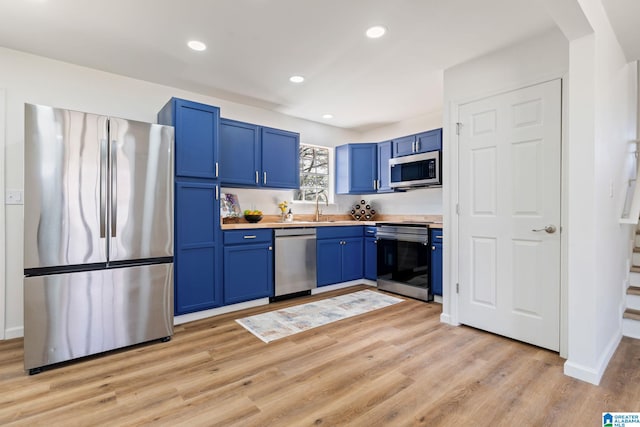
x,y
416,170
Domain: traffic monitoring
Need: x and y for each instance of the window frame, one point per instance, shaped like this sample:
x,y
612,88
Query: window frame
x,y
330,175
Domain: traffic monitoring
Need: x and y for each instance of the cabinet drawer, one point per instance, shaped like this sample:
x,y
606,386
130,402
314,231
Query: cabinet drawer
x,y
338,232
436,235
247,236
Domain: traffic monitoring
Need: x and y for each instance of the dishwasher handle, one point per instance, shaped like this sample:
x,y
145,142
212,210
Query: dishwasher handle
x,y
295,232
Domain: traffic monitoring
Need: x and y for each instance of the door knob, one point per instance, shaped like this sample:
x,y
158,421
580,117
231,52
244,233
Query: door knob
x,y
549,229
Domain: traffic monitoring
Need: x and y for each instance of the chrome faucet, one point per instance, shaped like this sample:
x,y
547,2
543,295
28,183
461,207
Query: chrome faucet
x,y
316,217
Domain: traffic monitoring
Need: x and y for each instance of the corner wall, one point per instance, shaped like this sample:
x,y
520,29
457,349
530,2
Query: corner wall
x,y
601,125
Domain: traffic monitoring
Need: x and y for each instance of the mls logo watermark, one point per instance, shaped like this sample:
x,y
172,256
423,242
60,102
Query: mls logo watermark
x,y
621,419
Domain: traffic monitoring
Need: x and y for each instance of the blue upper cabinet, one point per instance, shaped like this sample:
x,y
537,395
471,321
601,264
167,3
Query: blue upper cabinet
x,y
356,168
384,154
256,156
196,137
418,143
280,158
239,153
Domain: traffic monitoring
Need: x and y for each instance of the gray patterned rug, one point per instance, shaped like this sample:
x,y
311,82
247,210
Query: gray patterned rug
x,y
291,320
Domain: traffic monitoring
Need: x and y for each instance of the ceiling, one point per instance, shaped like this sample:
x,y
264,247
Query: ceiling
x,y
623,15
255,45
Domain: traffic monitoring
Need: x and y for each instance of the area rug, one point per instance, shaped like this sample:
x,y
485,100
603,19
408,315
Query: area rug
x,y
291,320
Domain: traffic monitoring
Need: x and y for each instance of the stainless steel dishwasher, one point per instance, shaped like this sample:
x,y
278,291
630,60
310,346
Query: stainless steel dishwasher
x,y
295,260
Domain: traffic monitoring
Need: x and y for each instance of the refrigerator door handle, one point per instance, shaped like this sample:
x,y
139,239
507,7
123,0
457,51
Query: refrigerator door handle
x,y
103,188
114,188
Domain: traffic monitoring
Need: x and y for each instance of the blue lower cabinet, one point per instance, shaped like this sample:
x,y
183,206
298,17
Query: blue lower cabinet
x,y
352,259
198,279
340,254
370,258
248,265
436,261
329,254
196,288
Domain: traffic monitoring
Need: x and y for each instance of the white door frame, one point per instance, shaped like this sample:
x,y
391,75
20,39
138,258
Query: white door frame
x,y
3,221
452,233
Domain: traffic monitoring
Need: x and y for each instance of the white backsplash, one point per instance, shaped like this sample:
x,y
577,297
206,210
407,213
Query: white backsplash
x,y
422,201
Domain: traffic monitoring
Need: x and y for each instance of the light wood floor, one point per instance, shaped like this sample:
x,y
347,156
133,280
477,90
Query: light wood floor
x,y
394,366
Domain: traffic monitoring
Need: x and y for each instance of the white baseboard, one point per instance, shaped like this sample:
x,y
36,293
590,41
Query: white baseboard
x,y
446,318
199,315
594,374
11,333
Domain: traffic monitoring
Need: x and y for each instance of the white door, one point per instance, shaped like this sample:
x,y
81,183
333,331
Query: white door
x,y
509,191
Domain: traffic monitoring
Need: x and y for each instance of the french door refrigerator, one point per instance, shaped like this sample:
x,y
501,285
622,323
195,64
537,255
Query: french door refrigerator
x,y
98,234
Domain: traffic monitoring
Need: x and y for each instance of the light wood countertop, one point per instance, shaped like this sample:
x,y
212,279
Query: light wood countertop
x,y
304,221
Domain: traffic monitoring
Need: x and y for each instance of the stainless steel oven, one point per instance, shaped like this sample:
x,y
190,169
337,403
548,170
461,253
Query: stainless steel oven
x,y
403,259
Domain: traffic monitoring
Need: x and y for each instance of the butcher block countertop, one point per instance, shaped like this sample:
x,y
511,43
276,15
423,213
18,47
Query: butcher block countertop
x,y
301,221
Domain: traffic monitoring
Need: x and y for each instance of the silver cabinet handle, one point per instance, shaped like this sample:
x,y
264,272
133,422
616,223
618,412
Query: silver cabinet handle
x,y
264,178
250,237
549,229
438,237
217,193
270,248
433,248
413,147
257,177
417,145
216,169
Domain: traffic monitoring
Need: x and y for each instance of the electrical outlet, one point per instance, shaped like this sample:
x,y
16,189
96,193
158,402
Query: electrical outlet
x,y
14,197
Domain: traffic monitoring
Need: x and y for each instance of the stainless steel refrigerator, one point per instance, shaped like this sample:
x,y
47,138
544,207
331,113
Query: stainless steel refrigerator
x,y
98,234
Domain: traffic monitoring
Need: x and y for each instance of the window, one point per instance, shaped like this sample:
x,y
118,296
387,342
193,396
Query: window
x,y
314,174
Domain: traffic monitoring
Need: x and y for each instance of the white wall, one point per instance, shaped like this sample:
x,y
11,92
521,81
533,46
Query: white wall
x,y
532,61
601,123
33,79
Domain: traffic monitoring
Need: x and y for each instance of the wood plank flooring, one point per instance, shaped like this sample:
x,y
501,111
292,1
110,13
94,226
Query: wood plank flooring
x,y
398,366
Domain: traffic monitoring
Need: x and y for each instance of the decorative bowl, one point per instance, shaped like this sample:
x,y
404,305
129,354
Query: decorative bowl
x,y
253,218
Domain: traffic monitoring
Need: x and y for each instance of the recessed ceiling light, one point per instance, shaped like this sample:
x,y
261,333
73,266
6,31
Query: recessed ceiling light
x,y
327,116
197,45
376,32
296,79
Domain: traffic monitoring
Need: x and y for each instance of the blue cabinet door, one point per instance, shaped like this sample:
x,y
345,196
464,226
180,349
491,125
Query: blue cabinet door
x,y
280,159
197,261
363,168
429,141
418,143
384,154
248,272
239,153
195,287
329,259
352,259
356,168
370,258
436,262
196,137
403,146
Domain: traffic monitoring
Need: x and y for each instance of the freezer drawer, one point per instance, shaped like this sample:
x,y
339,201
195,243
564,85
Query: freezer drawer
x,y
72,315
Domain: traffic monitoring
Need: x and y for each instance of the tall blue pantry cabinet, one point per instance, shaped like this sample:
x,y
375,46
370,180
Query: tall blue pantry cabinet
x,y
198,244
